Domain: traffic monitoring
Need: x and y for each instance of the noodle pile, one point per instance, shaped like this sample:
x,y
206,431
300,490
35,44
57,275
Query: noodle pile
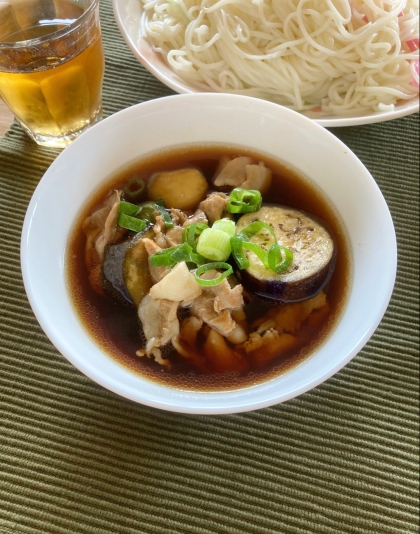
x,y
343,57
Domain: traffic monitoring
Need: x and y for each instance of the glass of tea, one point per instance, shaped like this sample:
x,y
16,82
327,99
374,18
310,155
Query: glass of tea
x,y
52,66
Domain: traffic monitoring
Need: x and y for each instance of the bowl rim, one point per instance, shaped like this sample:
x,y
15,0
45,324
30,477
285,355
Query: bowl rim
x,y
155,64
233,406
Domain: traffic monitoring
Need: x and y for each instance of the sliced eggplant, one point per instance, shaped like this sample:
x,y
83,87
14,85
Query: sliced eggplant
x,y
126,271
313,250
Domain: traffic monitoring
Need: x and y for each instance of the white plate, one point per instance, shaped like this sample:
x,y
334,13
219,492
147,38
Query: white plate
x,y
128,13
217,119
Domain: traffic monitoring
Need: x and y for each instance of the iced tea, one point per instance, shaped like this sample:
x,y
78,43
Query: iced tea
x,y
51,67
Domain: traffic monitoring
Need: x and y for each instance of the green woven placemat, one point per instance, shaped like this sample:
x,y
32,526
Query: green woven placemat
x,y
75,458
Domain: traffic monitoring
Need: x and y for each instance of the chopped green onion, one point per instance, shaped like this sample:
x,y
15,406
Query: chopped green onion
x,y
182,253
128,208
163,257
225,225
254,228
166,217
146,211
210,266
168,257
244,200
236,244
134,190
241,241
131,223
279,258
191,233
197,259
261,254
214,245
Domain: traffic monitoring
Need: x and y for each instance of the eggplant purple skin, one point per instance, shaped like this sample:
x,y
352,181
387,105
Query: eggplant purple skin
x,y
291,291
288,291
119,269
112,271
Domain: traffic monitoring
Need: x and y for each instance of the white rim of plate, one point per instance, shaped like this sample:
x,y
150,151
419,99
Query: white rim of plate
x,y
124,10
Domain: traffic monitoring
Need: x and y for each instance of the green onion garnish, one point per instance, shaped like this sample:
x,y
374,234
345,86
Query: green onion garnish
x,y
236,244
185,253
214,245
128,208
241,241
225,225
279,258
163,257
168,257
244,200
181,253
135,190
146,211
166,217
127,217
254,228
208,267
197,259
131,223
191,233
261,254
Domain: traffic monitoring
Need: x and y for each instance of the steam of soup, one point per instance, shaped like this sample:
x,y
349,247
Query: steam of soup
x,y
188,270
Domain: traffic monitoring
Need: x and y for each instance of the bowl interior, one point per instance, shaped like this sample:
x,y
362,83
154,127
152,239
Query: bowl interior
x,y
208,119
128,17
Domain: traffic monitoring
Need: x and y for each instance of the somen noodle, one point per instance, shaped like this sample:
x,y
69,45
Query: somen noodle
x,y
340,56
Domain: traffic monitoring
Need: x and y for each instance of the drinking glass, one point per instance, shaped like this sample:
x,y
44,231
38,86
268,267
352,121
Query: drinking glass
x,y
52,66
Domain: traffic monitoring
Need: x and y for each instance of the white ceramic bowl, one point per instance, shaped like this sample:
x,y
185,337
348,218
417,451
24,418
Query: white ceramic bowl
x,y
218,119
128,14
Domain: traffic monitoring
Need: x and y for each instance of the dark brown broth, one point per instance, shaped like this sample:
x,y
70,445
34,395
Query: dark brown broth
x,y
116,328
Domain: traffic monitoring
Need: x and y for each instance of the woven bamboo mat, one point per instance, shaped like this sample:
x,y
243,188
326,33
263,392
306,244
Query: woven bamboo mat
x,y
75,458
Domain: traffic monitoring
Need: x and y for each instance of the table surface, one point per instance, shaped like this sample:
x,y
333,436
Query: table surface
x,y
76,458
